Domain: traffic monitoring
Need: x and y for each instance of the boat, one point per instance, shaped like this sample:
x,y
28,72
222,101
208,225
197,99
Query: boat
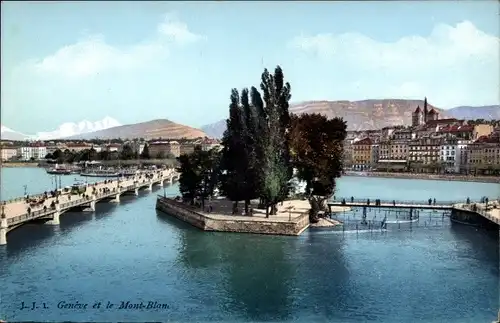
x,y
100,173
58,170
129,172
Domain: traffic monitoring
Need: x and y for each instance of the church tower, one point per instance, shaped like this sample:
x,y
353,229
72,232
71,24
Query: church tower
x,y
426,111
417,117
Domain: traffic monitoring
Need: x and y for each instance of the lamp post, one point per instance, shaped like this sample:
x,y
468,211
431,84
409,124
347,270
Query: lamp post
x,y
25,190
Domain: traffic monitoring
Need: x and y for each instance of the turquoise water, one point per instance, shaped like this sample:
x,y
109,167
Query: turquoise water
x,y
130,252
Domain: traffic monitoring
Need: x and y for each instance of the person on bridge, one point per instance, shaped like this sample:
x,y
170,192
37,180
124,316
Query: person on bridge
x,y
434,201
430,201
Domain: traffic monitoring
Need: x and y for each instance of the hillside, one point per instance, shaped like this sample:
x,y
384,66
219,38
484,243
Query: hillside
x,y
490,112
215,130
360,115
161,128
9,134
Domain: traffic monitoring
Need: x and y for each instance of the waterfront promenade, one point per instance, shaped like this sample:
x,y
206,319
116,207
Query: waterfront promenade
x,y
424,176
50,205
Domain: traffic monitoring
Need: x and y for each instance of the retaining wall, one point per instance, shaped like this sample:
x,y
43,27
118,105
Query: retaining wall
x,y
229,224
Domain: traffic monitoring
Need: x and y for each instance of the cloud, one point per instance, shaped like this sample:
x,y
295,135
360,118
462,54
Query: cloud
x,y
454,60
93,55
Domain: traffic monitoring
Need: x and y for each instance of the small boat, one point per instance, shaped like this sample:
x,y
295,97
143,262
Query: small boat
x,y
100,173
129,173
57,170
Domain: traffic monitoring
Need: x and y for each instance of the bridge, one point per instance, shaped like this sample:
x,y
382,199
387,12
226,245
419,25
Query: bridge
x,y
461,211
50,207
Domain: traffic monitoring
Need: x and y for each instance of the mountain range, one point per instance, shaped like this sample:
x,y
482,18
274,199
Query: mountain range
x,y
63,131
160,128
373,114
360,115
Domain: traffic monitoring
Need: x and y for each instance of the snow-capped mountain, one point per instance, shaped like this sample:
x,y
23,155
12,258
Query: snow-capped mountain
x,y
9,134
67,129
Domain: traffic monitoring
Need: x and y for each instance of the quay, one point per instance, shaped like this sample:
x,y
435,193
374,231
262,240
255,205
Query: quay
x,y
50,207
473,213
291,219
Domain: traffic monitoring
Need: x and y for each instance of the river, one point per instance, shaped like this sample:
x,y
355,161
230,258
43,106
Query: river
x,y
130,252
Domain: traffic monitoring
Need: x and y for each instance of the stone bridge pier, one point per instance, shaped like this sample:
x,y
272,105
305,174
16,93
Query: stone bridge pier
x,y
55,216
91,206
3,230
116,198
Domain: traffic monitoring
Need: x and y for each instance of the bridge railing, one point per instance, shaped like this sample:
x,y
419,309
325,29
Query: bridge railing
x,y
405,202
30,216
20,199
39,195
128,188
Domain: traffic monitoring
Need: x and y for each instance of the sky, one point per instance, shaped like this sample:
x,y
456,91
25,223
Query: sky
x,y
138,61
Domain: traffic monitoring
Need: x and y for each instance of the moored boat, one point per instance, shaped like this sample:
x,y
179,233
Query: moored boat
x,y
53,171
58,170
100,173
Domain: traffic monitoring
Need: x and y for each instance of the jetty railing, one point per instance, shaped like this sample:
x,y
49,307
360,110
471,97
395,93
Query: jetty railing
x,y
364,201
482,209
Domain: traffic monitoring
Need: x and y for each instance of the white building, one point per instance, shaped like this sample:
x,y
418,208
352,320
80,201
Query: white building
x,y
28,153
453,154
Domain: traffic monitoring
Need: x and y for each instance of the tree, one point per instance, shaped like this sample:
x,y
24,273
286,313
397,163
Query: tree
x,y
127,152
275,163
49,156
145,152
316,149
58,155
199,172
92,154
234,158
160,155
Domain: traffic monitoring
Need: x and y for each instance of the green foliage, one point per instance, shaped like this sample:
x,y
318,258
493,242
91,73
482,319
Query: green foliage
x,y
316,150
234,159
127,152
145,152
198,174
261,146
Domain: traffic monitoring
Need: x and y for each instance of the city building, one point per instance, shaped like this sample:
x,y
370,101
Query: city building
x,y
424,154
393,154
112,147
362,154
209,144
164,149
484,155
188,147
8,153
34,152
423,116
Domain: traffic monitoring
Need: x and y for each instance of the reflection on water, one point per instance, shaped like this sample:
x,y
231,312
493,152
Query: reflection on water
x,y
129,251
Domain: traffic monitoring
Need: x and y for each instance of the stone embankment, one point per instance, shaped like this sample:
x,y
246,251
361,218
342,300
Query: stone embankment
x,y
11,164
325,223
440,177
291,218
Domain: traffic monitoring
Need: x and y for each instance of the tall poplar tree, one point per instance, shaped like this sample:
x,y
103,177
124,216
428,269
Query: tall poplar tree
x,y
233,161
275,164
250,135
